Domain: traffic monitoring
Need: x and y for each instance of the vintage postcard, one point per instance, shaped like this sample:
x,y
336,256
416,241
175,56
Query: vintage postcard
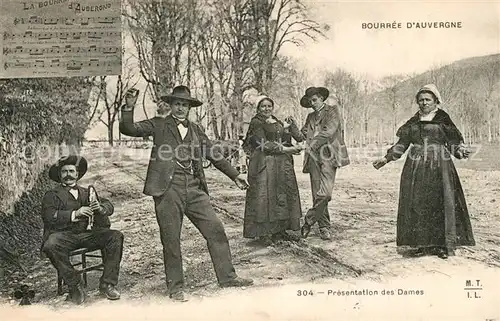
x,y
253,159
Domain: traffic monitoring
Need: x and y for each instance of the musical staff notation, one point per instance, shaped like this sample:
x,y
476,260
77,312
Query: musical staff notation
x,y
58,38
35,20
61,35
56,63
59,50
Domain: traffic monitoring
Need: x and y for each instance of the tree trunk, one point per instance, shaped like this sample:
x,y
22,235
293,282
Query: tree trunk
x,y
259,86
379,133
360,134
223,129
344,122
394,129
269,77
498,132
119,133
237,96
233,128
211,115
490,132
365,127
213,123
109,125
110,135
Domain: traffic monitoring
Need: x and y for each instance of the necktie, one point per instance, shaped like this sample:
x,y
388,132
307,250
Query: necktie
x,y
73,190
183,122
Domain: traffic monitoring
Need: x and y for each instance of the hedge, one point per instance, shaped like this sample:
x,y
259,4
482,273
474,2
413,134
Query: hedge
x,y
36,116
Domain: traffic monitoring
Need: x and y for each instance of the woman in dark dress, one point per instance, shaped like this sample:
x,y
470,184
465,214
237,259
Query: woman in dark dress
x,y
432,212
272,201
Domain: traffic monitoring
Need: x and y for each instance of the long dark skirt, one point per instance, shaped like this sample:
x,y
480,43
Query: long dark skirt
x,y
272,200
432,209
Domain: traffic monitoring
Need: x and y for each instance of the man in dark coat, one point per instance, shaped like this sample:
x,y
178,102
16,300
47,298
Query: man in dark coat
x,y
176,181
325,153
66,213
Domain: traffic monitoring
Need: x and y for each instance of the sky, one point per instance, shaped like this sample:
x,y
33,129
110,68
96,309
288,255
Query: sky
x,y
381,52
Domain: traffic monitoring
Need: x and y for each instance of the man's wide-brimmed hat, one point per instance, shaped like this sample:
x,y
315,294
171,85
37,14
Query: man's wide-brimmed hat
x,y
311,91
181,92
79,161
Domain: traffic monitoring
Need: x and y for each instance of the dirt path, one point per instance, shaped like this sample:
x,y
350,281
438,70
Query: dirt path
x,y
363,247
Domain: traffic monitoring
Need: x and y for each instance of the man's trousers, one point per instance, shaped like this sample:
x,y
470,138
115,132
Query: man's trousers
x,y
185,197
322,180
59,244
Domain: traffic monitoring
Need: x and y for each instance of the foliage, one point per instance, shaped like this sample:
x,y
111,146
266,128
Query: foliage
x,y
470,90
53,109
21,233
161,31
35,115
108,95
225,49
220,49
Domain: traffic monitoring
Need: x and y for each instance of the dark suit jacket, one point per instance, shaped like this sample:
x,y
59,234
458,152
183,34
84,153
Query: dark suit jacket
x,y
57,205
326,143
166,139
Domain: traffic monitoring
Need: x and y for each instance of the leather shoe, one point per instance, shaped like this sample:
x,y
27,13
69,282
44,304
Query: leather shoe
x,y
325,233
419,252
236,282
442,253
266,240
178,296
77,294
110,291
305,230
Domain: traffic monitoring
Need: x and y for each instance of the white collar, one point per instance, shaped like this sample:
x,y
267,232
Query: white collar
x,y
319,109
179,118
429,116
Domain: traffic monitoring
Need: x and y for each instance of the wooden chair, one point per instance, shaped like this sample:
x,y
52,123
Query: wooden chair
x,y
84,253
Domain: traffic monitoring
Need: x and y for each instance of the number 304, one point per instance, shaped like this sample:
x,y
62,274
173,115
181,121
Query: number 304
x,y
304,292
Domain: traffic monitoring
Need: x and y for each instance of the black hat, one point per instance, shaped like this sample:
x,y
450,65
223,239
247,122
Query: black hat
x,y
79,161
181,92
311,91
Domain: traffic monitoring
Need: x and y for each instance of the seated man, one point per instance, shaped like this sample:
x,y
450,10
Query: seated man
x,y
71,222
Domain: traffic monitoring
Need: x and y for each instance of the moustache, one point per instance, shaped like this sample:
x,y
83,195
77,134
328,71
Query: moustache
x,y
69,177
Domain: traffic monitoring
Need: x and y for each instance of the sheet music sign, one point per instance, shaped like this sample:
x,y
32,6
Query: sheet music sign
x,y
58,38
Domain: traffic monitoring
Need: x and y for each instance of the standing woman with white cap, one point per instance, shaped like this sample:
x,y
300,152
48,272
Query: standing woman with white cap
x,y
432,212
272,202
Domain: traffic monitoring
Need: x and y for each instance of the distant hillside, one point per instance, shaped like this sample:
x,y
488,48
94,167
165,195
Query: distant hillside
x,y
470,89
464,74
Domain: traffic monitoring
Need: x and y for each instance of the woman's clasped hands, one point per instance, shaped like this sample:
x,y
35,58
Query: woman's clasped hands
x,y
294,150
